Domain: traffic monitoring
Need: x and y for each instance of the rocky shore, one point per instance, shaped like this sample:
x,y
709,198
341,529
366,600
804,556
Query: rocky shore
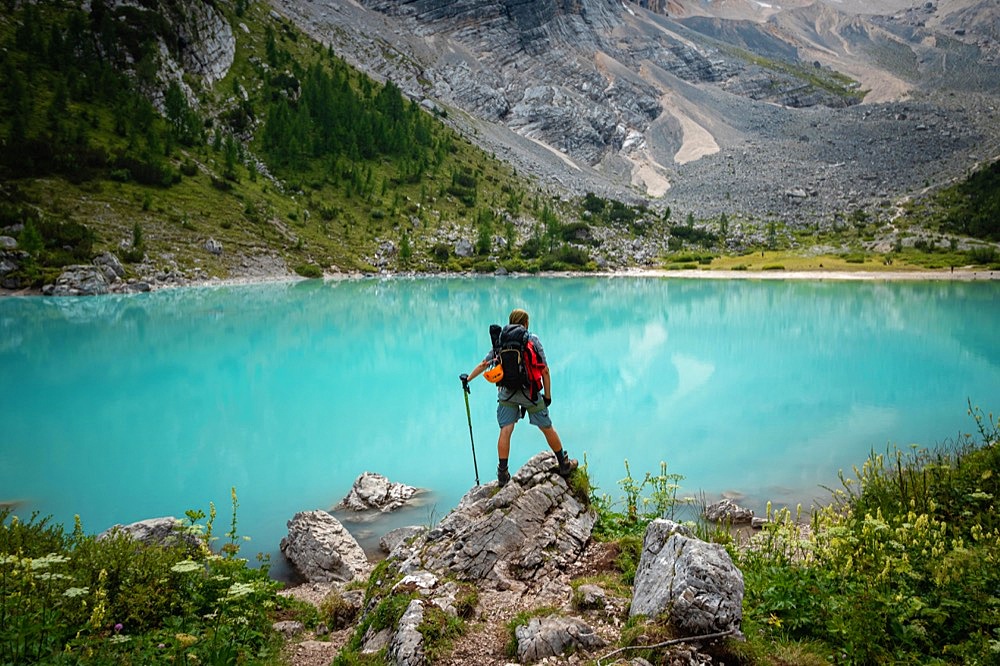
x,y
501,552
84,280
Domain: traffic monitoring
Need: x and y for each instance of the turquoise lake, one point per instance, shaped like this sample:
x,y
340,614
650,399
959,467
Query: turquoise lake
x,y
120,408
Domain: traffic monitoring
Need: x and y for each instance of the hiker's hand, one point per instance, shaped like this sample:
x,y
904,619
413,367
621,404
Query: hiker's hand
x,y
465,381
547,399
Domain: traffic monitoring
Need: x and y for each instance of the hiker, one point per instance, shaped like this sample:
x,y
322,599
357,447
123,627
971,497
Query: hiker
x,y
516,397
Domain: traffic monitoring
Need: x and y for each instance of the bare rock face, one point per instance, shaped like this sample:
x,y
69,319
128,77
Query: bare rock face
x,y
532,528
553,636
694,581
322,551
80,280
196,39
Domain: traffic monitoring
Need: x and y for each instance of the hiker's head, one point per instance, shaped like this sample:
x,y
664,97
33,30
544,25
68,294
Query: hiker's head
x,y
519,316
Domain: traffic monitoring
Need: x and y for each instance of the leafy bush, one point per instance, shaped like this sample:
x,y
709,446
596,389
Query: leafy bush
x,y
565,257
983,255
309,271
973,206
901,568
693,234
644,501
86,600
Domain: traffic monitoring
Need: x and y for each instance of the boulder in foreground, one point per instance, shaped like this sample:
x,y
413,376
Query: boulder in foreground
x,y
322,551
694,581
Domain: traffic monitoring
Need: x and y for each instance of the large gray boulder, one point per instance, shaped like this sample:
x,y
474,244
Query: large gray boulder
x,y
322,551
110,265
532,528
374,492
694,581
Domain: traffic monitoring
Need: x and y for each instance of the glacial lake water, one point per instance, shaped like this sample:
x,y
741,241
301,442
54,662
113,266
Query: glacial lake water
x,y
120,408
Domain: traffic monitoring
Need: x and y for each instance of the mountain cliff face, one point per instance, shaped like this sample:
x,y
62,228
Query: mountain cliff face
x,y
730,106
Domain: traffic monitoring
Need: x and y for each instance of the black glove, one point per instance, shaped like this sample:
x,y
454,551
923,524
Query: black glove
x,y
465,381
547,399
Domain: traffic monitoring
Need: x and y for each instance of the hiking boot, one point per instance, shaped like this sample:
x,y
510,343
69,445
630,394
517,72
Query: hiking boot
x,y
503,476
566,466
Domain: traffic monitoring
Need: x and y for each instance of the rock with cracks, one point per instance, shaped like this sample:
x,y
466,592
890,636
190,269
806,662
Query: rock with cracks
x,y
529,530
553,636
695,582
374,492
322,551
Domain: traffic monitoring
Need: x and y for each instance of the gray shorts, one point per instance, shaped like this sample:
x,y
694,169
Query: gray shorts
x,y
509,410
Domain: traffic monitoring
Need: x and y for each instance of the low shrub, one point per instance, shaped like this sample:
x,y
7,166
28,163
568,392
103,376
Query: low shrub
x,y
902,567
76,598
309,271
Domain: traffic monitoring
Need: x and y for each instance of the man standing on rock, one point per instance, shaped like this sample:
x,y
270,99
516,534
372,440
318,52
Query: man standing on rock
x,y
513,403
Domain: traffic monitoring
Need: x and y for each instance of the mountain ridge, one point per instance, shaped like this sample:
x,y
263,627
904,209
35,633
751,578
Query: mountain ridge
x,y
629,145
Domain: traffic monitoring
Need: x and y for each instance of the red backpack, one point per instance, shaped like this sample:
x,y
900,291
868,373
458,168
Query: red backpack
x,y
522,369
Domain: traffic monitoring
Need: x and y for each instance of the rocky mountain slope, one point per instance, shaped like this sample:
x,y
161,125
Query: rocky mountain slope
x,y
797,111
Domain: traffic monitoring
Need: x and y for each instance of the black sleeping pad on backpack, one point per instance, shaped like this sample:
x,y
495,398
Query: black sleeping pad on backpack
x,y
511,348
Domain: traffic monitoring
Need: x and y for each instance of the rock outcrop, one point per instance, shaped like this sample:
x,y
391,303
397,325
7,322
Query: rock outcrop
x,y
695,582
532,528
79,280
321,550
374,492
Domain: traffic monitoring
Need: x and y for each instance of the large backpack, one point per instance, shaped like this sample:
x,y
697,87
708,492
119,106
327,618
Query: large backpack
x,y
516,354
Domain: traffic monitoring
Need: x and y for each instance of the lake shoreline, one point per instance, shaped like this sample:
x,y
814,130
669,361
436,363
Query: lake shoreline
x,y
963,275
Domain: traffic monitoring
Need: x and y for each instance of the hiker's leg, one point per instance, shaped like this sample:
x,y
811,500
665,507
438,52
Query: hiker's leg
x,y
503,443
552,439
503,452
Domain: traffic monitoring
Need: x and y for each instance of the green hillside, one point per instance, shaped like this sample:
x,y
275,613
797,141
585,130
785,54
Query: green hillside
x,y
292,153
295,161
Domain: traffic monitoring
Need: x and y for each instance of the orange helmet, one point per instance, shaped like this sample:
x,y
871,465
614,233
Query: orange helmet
x,y
494,373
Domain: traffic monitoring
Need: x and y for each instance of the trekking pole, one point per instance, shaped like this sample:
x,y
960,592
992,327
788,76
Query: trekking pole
x,y
465,391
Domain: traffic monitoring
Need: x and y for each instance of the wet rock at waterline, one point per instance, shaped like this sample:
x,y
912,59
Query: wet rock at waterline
x,y
728,511
322,551
374,492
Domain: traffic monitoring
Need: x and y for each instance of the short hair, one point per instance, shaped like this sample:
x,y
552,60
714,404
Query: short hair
x,y
518,316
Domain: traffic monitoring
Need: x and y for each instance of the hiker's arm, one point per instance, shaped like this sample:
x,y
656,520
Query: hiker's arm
x,y
547,383
478,370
